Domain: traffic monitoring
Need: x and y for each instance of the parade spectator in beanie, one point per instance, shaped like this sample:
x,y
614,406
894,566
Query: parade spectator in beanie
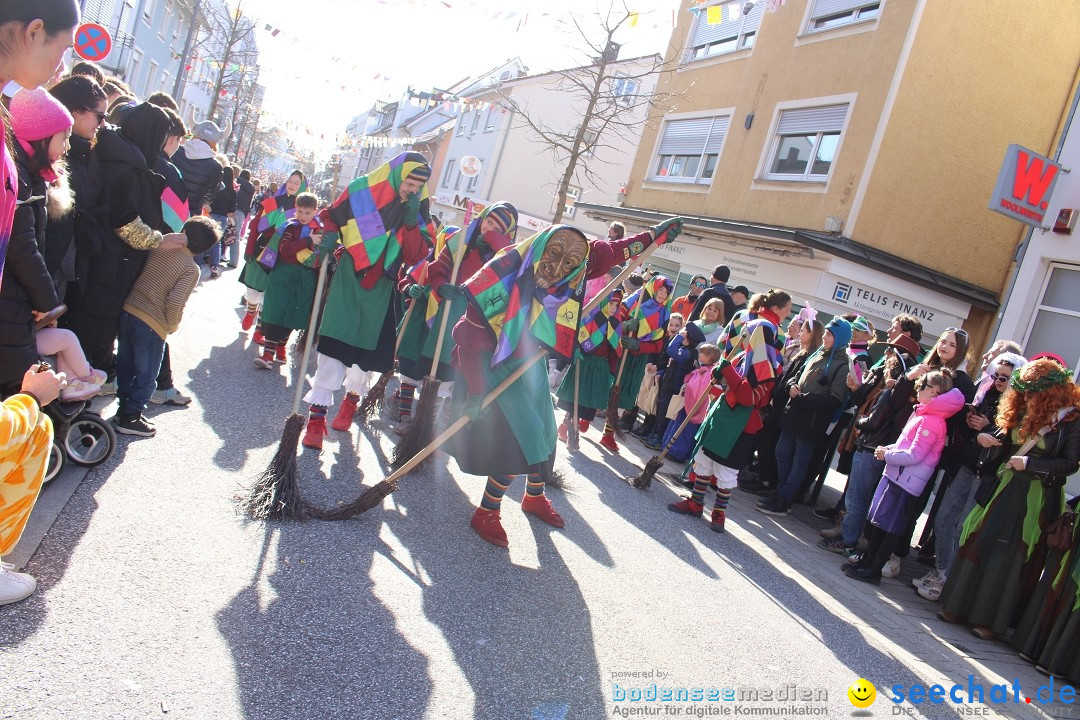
x,y
33,40
740,294
685,305
720,276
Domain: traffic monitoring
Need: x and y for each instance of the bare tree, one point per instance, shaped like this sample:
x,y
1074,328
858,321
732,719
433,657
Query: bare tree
x,y
230,42
605,96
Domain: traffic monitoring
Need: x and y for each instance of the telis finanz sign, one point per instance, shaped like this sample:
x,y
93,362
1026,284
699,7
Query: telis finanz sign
x,y
1024,186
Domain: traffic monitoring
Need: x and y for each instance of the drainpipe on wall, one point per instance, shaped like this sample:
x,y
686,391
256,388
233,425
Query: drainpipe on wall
x,y
1021,250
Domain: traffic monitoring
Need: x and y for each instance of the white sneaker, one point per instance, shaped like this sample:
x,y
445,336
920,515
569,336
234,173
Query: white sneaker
x,y
172,396
14,586
108,388
892,567
925,579
79,390
932,589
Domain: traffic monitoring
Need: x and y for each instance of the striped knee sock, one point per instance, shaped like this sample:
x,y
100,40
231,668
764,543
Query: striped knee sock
x,y
535,486
252,308
609,429
493,493
722,497
317,412
405,400
701,484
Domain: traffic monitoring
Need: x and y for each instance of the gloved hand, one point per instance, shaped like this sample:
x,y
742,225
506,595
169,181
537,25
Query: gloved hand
x,y
718,370
630,343
412,209
450,292
417,291
473,408
673,226
326,240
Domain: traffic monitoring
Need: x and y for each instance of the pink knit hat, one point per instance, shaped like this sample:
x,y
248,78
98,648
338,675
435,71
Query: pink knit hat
x,y
36,115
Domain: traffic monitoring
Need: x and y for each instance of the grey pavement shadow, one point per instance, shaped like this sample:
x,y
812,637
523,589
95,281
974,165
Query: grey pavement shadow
x,y
309,637
21,621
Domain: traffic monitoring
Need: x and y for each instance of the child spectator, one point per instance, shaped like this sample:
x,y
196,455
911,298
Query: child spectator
x,y
910,462
291,257
151,312
697,384
681,354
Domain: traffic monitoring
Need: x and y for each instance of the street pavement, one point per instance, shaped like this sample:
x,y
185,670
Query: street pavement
x,y
158,599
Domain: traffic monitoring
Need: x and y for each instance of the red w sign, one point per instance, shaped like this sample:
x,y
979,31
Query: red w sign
x,y
1025,185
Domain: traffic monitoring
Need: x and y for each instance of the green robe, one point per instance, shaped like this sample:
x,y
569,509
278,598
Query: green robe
x,y
290,294
594,385
355,315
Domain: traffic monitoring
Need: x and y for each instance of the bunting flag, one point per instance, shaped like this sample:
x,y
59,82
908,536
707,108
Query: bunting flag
x,y
174,211
714,15
632,19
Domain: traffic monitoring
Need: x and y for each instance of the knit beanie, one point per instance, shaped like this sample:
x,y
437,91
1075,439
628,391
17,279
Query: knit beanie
x,y
36,115
421,173
841,331
505,216
861,324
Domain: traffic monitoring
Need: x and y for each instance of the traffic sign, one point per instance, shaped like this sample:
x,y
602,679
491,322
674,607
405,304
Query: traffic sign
x,y
92,42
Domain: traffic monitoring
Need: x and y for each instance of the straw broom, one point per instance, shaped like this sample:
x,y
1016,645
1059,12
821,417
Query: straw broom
x,y
373,496
276,493
422,428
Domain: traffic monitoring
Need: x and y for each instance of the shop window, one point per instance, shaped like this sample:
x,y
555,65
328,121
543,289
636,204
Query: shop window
x,y
1056,325
724,27
689,149
805,143
829,14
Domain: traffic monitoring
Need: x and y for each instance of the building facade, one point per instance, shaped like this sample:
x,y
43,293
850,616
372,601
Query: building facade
x,y
845,150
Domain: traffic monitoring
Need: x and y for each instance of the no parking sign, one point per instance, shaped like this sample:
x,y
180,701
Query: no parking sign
x,y
92,42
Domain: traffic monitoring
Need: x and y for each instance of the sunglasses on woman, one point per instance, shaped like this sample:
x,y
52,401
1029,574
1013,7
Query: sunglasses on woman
x,y
1001,378
100,115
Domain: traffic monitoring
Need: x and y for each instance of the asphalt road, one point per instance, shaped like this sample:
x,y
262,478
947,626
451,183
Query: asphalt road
x,y
157,598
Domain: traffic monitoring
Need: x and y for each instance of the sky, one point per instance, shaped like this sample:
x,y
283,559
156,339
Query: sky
x,y
332,59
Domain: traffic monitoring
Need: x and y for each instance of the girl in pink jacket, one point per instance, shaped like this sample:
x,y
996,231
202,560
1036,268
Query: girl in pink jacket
x,y
696,384
910,462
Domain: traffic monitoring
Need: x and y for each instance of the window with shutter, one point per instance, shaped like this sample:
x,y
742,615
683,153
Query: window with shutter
x,y
829,14
806,142
689,149
723,27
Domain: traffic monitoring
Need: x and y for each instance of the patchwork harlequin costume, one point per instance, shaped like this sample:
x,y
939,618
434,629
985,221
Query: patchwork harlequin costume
x,y
595,361
644,323
270,218
380,233
420,333
513,311
293,259
726,438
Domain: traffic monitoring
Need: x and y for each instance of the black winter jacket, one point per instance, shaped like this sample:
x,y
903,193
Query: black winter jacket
x,y
244,196
1060,459
26,284
823,393
77,235
224,202
202,175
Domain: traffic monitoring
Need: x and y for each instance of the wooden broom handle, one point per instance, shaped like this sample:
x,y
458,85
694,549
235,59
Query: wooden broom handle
x,y
458,257
316,307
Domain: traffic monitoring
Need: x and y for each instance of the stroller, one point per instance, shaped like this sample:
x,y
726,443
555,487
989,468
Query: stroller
x,y
80,435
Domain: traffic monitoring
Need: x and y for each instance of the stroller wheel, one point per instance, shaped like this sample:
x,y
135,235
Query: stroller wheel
x,y
57,460
90,440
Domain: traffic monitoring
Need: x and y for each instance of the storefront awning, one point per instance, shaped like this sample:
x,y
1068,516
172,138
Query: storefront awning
x,y
834,245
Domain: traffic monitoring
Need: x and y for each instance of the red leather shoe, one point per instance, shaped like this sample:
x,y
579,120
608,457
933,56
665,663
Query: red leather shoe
x,y
487,525
313,436
687,506
279,353
540,506
247,321
717,521
344,418
564,432
583,426
257,338
608,441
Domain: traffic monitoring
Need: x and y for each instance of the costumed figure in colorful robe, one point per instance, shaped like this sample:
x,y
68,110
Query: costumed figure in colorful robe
x,y
269,218
644,321
292,256
527,297
726,438
492,230
597,355
383,224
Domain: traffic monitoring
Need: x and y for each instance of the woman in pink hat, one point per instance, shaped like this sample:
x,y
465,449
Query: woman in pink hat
x,y
33,38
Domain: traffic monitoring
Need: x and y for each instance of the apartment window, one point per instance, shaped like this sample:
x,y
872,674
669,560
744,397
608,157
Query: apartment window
x,y
150,77
489,124
588,143
572,195
475,122
457,181
148,12
461,126
450,168
828,14
135,67
730,31
626,89
805,143
1056,320
689,149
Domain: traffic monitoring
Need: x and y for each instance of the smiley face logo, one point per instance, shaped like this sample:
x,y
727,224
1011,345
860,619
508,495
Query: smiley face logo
x,y
861,693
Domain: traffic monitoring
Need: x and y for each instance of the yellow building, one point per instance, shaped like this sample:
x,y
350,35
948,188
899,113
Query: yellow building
x,y
845,150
